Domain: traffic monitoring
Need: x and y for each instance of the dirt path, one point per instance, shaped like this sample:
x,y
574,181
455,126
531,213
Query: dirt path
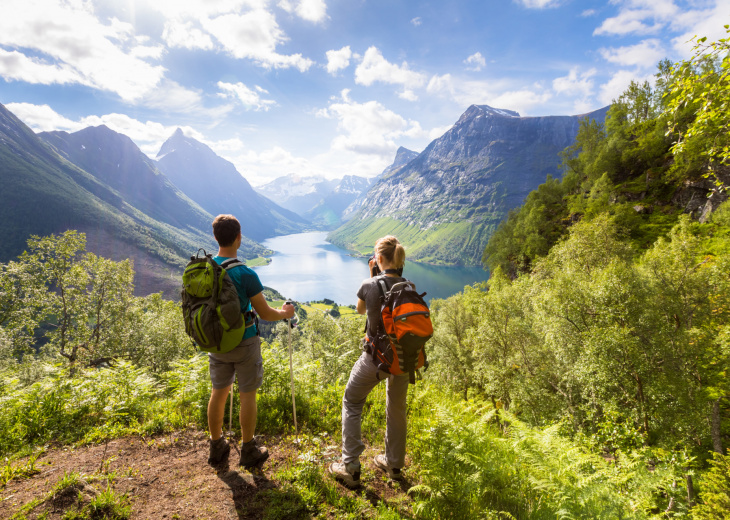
x,y
167,477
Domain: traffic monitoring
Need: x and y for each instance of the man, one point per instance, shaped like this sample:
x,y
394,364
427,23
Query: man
x,y
245,360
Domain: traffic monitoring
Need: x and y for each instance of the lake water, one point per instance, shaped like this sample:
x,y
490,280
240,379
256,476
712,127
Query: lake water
x,y
306,268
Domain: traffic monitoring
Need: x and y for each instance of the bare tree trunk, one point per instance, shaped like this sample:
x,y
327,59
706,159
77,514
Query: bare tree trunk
x,y
690,492
715,427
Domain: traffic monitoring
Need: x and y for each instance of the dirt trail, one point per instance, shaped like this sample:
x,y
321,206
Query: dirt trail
x,y
168,477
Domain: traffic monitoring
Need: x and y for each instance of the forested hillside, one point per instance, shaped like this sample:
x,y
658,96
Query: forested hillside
x,y
587,379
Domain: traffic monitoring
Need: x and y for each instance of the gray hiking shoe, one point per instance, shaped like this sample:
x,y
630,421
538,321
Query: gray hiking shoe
x,y
252,454
218,451
348,474
382,463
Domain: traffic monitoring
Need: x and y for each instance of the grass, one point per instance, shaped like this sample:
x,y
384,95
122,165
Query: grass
x,y
19,471
80,501
258,261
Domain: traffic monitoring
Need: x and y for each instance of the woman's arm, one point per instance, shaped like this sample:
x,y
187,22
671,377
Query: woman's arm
x,y
361,308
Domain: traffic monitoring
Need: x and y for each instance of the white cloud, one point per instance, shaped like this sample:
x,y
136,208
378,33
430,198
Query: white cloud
x,y
338,60
184,34
368,128
475,62
374,67
588,12
495,93
539,4
709,22
310,10
619,82
575,83
148,135
104,56
408,95
639,17
245,29
521,101
254,35
417,21
438,131
16,66
197,9
42,118
645,54
263,166
251,99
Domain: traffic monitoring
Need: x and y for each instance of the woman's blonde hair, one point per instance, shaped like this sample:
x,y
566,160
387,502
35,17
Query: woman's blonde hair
x,y
392,251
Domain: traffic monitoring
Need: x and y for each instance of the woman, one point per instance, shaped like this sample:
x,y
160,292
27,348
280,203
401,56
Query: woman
x,y
389,258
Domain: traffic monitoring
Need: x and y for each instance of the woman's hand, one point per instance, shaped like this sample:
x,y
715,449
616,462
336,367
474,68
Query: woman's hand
x,y
373,263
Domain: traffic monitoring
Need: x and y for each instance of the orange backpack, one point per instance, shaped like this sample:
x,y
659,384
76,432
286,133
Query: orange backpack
x,y
404,328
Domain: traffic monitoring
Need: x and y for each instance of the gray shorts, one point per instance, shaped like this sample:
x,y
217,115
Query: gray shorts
x,y
244,362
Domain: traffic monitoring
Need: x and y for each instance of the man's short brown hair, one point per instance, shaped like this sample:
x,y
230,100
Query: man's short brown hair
x,y
226,229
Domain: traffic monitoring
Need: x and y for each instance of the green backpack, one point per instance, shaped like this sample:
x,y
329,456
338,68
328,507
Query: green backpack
x,y
210,305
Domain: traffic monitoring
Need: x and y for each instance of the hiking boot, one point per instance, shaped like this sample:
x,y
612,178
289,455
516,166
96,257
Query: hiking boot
x,y
382,463
218,451
252,454
348,474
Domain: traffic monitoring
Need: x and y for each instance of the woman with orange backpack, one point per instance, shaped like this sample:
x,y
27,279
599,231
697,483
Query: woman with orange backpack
x,y
386,265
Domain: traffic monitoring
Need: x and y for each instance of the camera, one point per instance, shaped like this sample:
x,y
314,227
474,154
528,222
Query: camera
x,y
376,268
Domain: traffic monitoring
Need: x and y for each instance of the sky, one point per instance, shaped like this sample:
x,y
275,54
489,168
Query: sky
x,y
327,87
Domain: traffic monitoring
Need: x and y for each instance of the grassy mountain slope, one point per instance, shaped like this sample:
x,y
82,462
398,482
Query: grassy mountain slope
x,y
445,203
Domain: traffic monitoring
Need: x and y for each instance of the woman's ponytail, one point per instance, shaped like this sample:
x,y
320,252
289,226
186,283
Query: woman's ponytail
x,y
392,251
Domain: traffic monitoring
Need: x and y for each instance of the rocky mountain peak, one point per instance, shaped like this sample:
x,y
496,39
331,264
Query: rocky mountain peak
x,y
178,141
479,111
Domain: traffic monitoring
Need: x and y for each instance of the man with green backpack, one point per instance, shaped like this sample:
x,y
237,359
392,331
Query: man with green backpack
x,y
244,359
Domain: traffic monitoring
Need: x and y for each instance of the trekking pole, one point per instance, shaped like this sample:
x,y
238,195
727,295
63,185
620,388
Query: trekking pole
x,y
230,416
291,323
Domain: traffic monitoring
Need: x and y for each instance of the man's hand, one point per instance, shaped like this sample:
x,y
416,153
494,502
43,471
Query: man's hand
x,y
289,310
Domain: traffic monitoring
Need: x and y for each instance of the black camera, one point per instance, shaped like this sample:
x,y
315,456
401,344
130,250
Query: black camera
x,y
376,268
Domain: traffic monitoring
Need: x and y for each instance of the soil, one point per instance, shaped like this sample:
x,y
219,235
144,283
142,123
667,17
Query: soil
x,y
168,477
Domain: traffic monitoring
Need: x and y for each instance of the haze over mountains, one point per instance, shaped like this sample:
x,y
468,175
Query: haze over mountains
x,y
443,203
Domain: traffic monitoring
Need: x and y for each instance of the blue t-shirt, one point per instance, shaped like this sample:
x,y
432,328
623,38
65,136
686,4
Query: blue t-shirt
x,y
247,284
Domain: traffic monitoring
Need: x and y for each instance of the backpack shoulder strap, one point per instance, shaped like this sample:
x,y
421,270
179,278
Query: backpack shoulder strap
x,y
383,288
231,262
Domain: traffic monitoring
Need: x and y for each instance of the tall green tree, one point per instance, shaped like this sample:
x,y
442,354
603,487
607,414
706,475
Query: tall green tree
x,y
699,106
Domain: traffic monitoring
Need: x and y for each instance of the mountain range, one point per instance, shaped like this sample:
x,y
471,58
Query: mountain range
x,y
445,203
442,203
98,182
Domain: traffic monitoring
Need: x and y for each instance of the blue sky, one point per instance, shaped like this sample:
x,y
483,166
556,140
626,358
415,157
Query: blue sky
x,y
326,87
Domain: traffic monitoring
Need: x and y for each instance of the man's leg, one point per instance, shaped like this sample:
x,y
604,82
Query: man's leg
x,y
219,448
247,415
216,410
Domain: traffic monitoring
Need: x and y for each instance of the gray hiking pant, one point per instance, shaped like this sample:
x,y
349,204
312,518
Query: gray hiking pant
x,y
363,378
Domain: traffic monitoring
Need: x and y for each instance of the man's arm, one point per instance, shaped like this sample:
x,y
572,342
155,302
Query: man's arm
x,y
269,314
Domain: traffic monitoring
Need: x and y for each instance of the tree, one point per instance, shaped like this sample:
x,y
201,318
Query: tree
x,y
452,351
75,299
701,86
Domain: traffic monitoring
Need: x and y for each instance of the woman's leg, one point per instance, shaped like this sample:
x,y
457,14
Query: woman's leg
x,y
363,378
396,424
